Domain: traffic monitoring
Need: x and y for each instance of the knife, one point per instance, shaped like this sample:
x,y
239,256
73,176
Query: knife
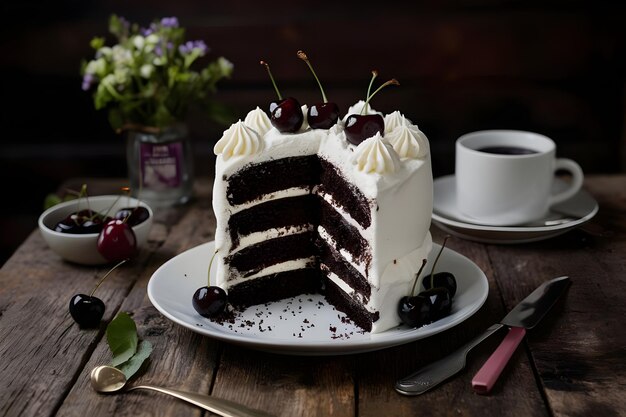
x,y
529,312
525,315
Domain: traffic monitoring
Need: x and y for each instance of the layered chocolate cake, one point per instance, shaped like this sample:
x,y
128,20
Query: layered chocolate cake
x,y
309,212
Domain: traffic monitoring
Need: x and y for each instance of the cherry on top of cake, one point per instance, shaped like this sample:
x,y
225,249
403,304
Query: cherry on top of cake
x,y
320,115
285,114
363,125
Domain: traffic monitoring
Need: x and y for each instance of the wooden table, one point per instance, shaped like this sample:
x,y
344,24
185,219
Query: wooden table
x,y
572,364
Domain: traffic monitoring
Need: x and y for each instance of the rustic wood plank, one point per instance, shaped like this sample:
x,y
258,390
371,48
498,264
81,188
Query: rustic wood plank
x,y
516,395
579,350
287,385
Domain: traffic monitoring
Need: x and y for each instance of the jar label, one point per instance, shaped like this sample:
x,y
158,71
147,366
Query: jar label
x,y
161,164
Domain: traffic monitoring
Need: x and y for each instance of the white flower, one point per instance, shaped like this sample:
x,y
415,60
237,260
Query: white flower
x,y
139,41
105,51
225,65
97,66
146,70
152,39
121,75
122,56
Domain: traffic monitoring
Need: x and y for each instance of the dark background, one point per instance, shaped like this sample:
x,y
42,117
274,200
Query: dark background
x,y
554,67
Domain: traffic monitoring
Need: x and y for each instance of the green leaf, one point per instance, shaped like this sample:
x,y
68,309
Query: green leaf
x,y
130,367
51,200
122,338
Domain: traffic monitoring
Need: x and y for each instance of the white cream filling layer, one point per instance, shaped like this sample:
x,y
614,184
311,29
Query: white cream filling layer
x,y
273,269
346,216
258,237
288,192
346,255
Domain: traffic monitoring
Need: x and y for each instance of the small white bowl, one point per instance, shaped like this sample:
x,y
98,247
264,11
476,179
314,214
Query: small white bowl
x,y
82,249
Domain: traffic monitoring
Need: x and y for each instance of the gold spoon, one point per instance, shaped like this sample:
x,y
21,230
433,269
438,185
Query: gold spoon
x,y
107,379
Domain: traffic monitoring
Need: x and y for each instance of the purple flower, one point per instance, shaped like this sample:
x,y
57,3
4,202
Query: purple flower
x,y
189,46
169,22
158,50
88,80
148,31
124,22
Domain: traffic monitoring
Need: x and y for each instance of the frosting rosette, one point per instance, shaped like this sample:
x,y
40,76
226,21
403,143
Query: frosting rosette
x,y
393,120
375,155
408,141
258,120
238,140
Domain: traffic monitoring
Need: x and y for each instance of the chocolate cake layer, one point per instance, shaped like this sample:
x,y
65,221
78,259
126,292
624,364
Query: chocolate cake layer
x,y
335,263
275,287
346,236
344,194
255,258
256,180
345,303
284,212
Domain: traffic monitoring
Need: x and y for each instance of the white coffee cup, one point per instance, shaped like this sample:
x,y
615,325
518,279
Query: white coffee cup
x,y
502,189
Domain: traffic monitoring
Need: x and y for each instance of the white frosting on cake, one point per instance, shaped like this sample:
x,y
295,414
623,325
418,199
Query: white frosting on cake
x,y
408,142
258,120
393,172
238,140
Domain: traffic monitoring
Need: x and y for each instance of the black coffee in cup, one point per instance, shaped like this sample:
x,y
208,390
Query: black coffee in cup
x,y
507,150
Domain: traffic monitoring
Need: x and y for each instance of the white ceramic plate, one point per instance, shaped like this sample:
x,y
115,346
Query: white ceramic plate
x,y
563,217
304,325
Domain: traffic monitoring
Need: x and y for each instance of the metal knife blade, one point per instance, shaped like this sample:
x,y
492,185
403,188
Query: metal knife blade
x,y
527,313
534,307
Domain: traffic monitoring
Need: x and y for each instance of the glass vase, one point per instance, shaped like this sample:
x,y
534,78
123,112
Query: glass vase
x,y
160,165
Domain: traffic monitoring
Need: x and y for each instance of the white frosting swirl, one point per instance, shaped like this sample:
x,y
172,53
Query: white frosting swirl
x,y
393,120
374,155
258,120
408,141
238,140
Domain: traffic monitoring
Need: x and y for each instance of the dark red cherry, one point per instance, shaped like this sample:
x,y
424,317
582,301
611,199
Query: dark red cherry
x,y
362,126
414,311
442,279
134,215
287,115
117,241
86,310
209,301
323,115
80,223
440,300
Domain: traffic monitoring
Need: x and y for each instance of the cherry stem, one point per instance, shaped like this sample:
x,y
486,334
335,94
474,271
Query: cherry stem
x,y
369,88
211,264
443,245
267,67
112,205
305,58
393,81
417,276
106,275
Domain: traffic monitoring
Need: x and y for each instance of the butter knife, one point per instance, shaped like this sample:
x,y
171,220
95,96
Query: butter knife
x,y
525,315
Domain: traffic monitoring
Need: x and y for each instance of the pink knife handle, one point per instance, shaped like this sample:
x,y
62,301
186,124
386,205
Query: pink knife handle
x,y
484,380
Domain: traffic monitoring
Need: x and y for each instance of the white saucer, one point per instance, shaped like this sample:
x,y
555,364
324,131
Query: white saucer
x,y
304,325
563,217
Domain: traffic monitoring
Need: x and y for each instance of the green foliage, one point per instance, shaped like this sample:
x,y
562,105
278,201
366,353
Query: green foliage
x,y
128,353
148,77
122,338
